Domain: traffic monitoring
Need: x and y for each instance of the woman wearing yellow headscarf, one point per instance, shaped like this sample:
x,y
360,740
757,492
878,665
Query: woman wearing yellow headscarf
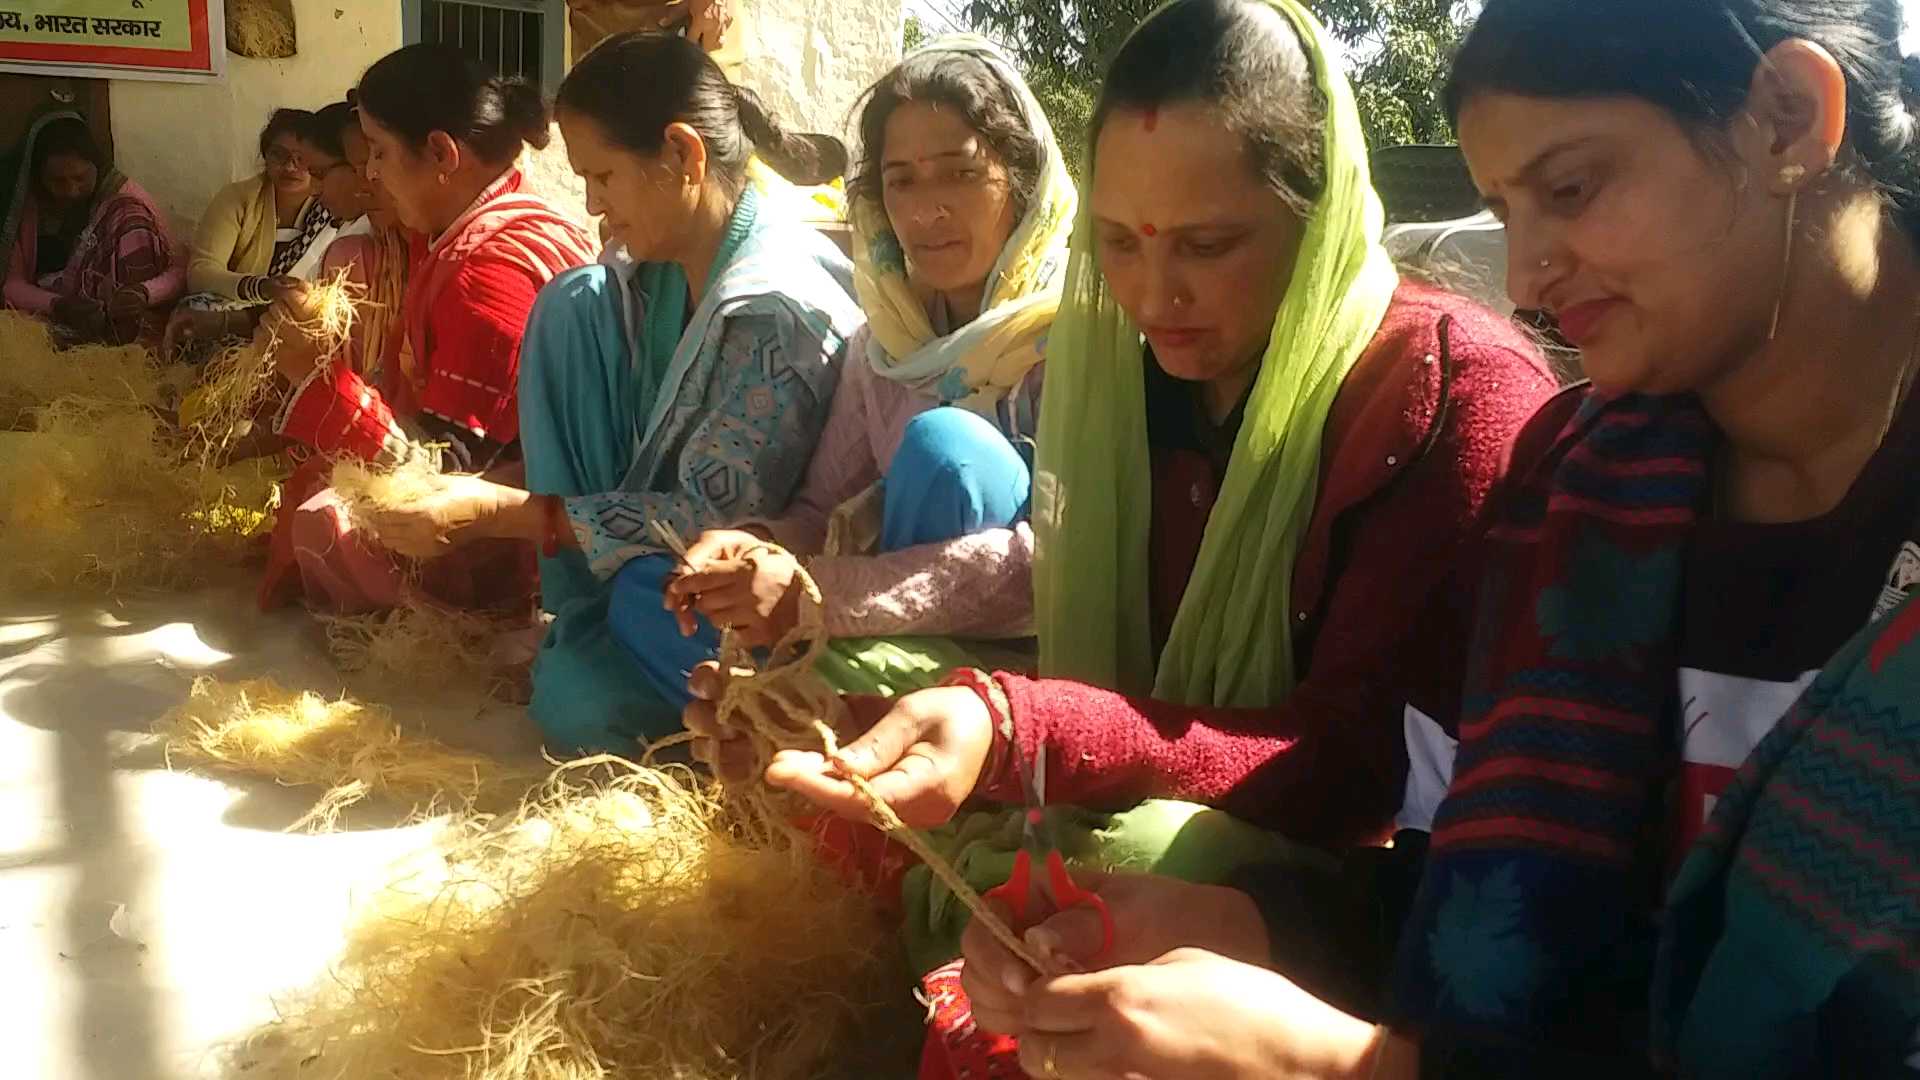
x,y
913,514
1261,456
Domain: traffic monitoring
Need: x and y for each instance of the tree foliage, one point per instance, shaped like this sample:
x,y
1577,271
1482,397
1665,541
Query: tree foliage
x,y
1396,55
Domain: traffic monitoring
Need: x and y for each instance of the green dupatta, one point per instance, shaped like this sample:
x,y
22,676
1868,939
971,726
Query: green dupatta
x,y
1232,640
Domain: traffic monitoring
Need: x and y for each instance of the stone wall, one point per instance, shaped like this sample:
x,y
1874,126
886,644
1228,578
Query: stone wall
x,y
810,59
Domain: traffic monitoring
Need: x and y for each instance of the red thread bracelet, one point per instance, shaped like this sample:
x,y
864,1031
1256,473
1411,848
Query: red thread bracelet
x,y
552,514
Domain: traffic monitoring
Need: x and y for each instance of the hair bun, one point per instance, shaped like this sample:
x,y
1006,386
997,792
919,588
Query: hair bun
x,y
524,109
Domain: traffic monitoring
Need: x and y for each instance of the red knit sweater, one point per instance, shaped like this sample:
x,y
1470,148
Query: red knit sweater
x,y
1417,438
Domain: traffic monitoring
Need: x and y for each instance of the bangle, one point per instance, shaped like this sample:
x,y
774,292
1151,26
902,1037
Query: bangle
x,y
999,714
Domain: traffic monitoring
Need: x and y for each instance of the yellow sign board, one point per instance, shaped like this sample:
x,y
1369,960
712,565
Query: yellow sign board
x,y
120,39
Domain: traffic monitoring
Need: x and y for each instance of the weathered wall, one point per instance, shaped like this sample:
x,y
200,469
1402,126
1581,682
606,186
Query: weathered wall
x,y
810,59
182,141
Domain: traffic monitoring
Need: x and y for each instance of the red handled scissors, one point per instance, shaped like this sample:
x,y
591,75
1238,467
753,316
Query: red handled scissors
x,y
1037,837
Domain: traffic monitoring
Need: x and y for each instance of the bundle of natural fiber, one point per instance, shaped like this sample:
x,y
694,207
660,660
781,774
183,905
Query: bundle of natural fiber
x,y
238,384
364,488
628,927
35,373
98,496
260,29
355,750
415,648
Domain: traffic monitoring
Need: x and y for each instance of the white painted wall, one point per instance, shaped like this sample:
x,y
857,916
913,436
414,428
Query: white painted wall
x,y
183,141
809,59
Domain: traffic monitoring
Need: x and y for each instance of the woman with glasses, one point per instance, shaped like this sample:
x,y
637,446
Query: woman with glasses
x,y
257,238
261,234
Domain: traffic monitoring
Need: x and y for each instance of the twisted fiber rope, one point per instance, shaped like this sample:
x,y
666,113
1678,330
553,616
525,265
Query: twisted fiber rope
x,y
788,706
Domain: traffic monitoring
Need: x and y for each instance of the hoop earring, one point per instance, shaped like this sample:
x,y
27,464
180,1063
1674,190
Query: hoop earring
x,y
1786,262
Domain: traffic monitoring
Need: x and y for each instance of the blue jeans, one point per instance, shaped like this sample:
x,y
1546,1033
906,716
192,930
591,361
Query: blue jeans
x,y
954,474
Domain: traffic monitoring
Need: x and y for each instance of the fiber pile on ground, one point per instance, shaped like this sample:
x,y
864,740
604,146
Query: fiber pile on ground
x,y
34,374
96,492
416,649
98,496
622,928
354,750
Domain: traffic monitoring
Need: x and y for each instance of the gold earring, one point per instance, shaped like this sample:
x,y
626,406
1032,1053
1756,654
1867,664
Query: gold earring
x,y
1791,176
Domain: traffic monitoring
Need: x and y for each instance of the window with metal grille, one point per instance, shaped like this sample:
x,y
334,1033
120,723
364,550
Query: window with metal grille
x,y
512,37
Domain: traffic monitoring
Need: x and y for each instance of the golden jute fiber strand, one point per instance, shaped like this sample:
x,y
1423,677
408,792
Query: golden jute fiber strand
x,y
352,750
239,383
622,923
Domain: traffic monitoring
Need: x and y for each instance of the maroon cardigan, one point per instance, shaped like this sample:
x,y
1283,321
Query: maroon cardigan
x,y
1417,437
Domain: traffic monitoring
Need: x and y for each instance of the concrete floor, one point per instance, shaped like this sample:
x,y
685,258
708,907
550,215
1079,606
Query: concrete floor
x,y
145,915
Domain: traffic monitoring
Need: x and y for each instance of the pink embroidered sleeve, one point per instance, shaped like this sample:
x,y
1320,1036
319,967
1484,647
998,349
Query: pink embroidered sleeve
x,y
976,586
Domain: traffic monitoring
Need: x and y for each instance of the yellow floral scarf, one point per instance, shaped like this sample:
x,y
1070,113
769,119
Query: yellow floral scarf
x,y
978,365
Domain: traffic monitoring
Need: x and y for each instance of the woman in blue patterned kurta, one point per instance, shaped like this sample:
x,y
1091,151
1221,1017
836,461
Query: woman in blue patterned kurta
x,y
683,380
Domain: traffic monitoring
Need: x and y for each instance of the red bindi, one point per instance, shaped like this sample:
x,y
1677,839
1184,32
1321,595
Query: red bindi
x,y
1149,230
1152,119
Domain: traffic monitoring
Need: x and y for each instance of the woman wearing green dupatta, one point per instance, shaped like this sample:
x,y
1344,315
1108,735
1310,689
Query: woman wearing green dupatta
x,y
912,518
1247,522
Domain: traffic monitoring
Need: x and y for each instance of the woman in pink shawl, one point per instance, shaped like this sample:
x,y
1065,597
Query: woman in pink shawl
x,y
83,245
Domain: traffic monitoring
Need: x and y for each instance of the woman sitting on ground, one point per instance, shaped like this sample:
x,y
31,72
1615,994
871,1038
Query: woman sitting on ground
x,y
372,249
261,235
1229,509
1717,200
681,384
80,243
1253,517
374,252
962,209
443,137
